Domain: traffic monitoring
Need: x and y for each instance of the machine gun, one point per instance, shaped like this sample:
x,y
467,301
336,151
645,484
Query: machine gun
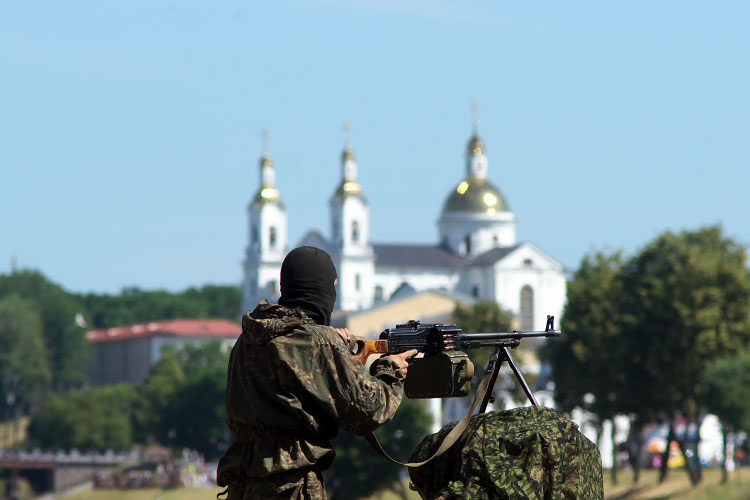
x,y
445,370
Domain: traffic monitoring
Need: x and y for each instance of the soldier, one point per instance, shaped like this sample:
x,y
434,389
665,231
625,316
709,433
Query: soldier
x,y
292,383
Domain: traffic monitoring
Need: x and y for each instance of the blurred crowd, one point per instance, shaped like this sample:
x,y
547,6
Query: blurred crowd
x,y
190,470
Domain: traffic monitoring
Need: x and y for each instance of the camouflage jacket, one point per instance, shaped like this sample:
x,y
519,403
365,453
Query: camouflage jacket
x,y
530,453
291,385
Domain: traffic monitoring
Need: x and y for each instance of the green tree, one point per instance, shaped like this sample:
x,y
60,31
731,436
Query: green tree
x,y
684,304
487,317
220,301
24,371
358,471
155,395
584,361
134,305
64,338
482,317
95,419
181,401
725,392
199,423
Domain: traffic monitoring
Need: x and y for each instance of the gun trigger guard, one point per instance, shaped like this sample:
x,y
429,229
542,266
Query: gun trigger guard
x,y
352,344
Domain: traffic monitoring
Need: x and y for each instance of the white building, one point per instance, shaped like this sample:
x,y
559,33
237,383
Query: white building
x,y
477,253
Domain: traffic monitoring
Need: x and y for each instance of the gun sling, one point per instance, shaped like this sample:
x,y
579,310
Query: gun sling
x,y
450,438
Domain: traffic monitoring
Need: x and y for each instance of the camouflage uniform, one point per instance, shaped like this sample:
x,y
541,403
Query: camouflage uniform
x,y
291,384
525,453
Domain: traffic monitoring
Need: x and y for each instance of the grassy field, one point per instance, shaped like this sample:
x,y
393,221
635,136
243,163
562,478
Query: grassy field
x,y
147,494
676,487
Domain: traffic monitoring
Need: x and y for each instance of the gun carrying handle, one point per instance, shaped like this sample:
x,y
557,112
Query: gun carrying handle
x,y
363,348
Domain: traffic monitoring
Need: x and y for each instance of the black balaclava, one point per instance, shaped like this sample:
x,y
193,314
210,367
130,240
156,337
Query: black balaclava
x,y
307,276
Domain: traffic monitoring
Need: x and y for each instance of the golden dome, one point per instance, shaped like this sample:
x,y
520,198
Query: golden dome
x,y
267,195
349,188
475,146
476,196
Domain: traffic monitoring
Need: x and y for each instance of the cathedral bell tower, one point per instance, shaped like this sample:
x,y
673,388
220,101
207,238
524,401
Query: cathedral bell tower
x,y
350,249
267,231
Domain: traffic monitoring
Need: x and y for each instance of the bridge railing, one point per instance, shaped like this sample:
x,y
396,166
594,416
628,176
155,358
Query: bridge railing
x,y
69,457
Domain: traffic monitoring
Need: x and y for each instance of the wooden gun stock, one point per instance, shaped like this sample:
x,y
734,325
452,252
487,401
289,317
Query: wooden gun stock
x,y
365,348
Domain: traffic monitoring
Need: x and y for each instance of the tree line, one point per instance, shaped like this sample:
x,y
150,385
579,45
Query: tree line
x,y
43,346
661,337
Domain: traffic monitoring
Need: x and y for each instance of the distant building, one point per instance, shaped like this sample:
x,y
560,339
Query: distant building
x,y
125,353
430,306
477,254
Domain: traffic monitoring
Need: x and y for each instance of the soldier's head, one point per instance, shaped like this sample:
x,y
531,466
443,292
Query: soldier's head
x,y
308,281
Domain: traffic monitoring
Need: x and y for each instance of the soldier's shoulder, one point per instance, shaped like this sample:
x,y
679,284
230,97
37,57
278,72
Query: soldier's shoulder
x,y
320,334
268,322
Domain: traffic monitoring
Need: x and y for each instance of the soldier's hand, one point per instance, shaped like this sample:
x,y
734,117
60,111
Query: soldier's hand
x,y
344,332
400,359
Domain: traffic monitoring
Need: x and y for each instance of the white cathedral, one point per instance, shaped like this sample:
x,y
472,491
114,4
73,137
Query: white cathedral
x,y
477,254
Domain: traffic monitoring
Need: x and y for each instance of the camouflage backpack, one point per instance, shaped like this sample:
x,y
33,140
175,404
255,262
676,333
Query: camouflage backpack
x,y
524,453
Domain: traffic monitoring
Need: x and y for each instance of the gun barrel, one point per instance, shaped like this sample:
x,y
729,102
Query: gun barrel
x,y
468,337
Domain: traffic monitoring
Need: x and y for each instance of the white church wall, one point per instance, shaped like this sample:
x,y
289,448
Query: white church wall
x,y
548,293
356,212
355,289
345,214
272,220
425,279
486,231
267,245
478,282
261,283
527,266
529,256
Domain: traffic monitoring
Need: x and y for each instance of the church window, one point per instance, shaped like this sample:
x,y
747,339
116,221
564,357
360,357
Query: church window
x,y
475,291
254,233
495,241
355,231
527,262
272,237
467,244
378,292
356,282
527,308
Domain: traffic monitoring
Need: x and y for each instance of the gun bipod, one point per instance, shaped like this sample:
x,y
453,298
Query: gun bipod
x,y
493,366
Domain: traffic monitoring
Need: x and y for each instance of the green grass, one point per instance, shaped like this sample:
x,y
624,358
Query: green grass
x,y
147,494
676,487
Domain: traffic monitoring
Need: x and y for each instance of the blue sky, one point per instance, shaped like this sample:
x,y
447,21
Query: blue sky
x,y
130,130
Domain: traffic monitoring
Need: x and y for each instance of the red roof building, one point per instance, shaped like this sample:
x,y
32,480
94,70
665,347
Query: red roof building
x,y
125,353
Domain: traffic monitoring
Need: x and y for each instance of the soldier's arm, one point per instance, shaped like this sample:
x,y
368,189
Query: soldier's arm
x,y
320,365
365,399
